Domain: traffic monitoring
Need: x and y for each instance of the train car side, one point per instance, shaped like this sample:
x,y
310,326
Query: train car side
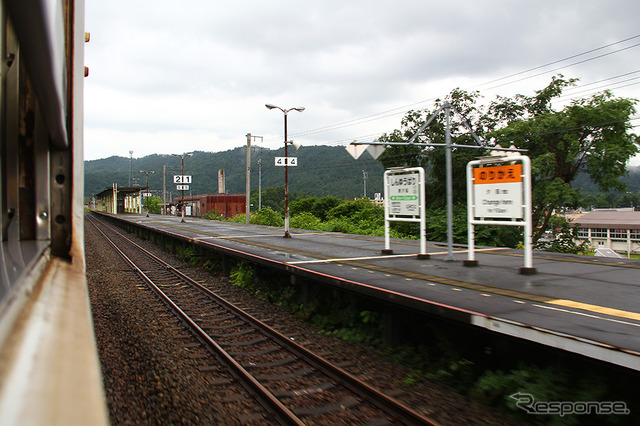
x,y
49,368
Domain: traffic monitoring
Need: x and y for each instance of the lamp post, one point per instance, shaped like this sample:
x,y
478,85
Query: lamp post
x,y
147,176
286,167
182,174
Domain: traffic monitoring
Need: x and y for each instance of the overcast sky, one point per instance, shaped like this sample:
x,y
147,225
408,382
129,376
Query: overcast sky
x,y
173,77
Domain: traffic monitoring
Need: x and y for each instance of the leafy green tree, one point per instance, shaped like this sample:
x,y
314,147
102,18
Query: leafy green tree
x,y
605,201
152,204
588,201
433,158
628,199
319,207
589,135
273,198
563,238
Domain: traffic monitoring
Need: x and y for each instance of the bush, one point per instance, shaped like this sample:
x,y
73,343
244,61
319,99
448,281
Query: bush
x,y
319,207
239,218
212,215
267,217
306,220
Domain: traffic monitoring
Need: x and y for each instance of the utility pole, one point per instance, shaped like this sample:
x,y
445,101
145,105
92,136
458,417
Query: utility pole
x,y
248,180
164,189
248,186
365,175
130,166
182,177
259,183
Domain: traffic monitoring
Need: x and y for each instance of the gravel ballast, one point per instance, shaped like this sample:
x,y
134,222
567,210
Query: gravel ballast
x,y
151,370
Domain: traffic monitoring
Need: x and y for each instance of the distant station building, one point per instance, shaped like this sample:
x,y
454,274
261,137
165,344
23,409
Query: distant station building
x,y
228,205
119,200
618,230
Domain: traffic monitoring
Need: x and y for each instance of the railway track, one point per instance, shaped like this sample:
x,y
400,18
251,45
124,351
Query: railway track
x,y
291,384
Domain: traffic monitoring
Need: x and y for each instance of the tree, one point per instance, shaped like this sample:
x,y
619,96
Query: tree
x,y
433,158
152,204
319,207
590,135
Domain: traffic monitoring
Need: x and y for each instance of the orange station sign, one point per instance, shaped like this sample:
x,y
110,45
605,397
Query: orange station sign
x,y
497,174
498,191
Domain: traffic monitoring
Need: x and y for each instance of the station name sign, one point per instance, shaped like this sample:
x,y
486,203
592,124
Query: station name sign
x,y
404,191
498,191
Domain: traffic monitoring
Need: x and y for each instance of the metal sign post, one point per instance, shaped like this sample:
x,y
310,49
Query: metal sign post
x,y
404,196
356,149
500,195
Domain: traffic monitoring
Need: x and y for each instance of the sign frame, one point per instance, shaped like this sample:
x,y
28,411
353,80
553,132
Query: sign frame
x,y
410,183
523,220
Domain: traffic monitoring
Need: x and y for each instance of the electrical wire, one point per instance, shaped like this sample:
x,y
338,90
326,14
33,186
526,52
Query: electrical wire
x,y
405,108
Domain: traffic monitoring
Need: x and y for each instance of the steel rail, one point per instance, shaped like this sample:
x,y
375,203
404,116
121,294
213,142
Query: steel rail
x,y
266,398
400,412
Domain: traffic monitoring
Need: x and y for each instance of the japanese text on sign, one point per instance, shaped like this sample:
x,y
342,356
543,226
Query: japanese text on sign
x,y
497,174
498,191
404,194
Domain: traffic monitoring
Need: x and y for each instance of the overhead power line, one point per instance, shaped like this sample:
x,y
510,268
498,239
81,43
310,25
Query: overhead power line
x,y
405,108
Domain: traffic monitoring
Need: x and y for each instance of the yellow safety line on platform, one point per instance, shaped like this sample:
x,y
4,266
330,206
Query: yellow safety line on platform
x,y
595,308
347,259
382,256
583,314
230,237
448,281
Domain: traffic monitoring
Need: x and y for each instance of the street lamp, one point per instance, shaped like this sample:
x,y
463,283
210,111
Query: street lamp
x,y
147,173
286,167
182,174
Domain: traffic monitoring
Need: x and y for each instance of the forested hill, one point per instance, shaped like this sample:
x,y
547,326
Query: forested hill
x,y
321,171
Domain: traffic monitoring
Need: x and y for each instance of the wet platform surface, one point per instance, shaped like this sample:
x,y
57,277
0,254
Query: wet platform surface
x,y
581,304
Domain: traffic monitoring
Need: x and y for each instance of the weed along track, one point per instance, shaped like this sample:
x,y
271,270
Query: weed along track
x,y
291,384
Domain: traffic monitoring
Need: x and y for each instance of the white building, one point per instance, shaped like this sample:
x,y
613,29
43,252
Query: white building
x,y
618,230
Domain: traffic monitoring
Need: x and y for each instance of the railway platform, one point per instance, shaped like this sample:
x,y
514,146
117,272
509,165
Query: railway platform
x,y
581,304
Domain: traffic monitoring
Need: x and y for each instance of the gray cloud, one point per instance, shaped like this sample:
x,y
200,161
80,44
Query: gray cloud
x,y
201,72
